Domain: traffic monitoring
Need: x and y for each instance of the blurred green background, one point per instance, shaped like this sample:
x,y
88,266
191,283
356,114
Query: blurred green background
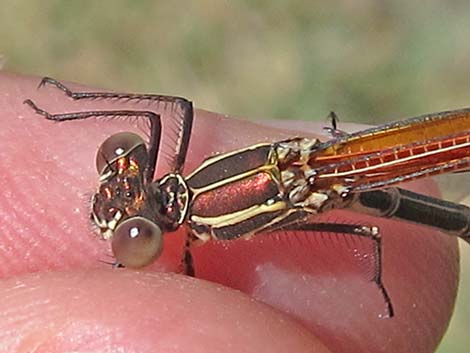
x,y
370,61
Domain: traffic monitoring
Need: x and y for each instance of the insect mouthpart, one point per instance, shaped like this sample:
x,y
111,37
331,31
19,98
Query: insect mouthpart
x,y
107,228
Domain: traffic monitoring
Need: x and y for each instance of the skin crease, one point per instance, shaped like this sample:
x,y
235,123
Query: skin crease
x,y
59,296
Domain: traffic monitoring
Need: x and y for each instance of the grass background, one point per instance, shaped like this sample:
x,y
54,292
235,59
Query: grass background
x,y
370,61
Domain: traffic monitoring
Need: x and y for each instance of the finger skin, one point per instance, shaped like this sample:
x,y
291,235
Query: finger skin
x,y
49,173
125,311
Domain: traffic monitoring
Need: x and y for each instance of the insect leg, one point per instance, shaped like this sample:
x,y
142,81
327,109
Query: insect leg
x,y
155,126
333,129
179,106
187,259
361,231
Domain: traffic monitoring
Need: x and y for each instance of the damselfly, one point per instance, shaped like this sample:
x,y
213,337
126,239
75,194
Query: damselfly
x,y
268,187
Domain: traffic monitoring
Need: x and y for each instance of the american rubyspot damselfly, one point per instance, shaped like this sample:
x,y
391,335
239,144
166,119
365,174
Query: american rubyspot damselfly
x,y
268,187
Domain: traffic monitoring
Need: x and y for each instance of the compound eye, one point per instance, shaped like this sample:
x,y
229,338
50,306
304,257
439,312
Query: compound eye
x,y
119,145
137,242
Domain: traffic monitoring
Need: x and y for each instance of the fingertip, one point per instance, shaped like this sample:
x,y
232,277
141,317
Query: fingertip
x,y
109,311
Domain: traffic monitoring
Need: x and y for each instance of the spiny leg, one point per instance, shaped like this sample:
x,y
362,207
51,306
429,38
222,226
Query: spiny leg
x,y
113,263
187,259
362,231
155,127
333,130
186,107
